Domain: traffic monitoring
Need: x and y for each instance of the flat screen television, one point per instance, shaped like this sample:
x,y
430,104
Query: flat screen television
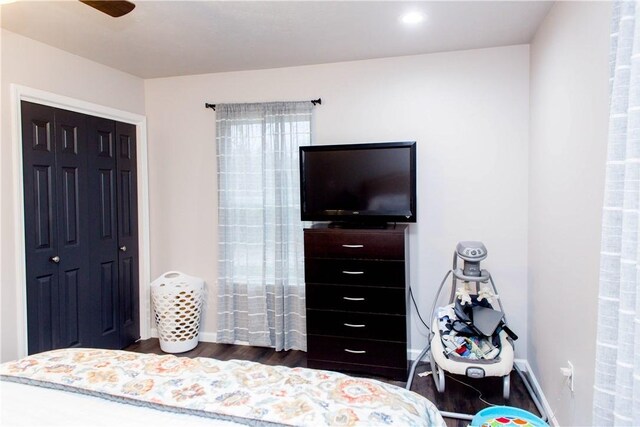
x,y
373,183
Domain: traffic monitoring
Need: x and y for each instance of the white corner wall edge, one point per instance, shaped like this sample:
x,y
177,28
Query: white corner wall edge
x,y
24,93
524,366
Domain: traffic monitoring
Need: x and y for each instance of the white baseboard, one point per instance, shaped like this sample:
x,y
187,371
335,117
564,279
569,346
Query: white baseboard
x,y
414,353
202,337
208,337
524,366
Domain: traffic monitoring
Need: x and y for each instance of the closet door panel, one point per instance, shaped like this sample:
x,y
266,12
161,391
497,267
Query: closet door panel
x,y
103,232
70,206
106,207
127,293
42,311
109,287
127,232
43,204
73,231
41,246
71,327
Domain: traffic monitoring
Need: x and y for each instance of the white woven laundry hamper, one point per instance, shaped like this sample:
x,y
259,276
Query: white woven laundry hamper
x,y
177,301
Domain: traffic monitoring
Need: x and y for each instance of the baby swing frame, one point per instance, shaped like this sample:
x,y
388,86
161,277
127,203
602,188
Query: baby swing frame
x,y
438,372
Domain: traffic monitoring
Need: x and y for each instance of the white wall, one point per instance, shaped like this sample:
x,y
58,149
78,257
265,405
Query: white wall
x,y
38,66
569,119
468,111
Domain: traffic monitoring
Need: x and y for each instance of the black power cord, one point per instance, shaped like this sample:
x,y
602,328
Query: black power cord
x,y
417,310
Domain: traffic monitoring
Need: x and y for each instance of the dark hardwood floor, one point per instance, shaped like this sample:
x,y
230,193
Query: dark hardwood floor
x,y
229,351
456,398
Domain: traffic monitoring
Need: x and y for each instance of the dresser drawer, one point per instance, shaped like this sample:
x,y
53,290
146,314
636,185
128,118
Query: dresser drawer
x,y
355,351
354,244
354,272
385,327
356,298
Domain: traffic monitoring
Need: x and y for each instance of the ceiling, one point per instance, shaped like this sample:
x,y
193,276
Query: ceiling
x,y
172,38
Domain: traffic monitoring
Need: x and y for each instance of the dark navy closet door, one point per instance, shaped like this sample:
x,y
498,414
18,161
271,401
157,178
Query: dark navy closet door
x,y
127,232
73,230
56,240
40,221
103,230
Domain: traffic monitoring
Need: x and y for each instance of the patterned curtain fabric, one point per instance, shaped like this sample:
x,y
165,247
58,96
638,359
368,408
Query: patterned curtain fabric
x,y
260,260
617,379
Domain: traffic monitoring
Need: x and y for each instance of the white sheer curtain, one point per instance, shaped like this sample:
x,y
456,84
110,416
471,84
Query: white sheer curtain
x,y
260,259
617,379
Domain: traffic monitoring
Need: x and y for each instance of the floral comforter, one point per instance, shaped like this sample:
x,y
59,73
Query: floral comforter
x,y
240,391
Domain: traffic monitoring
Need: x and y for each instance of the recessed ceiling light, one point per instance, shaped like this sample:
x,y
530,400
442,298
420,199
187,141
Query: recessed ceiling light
x,y
412,18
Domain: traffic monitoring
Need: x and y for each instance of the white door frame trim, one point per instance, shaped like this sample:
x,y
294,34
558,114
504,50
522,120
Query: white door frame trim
x,y
23,93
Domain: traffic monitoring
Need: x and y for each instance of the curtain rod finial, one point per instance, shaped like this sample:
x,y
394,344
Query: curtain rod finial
x,y
212,106
316,101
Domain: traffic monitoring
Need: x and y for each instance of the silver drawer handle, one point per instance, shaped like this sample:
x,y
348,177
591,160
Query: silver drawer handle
x,y
355,351
55,259
353,246
353,299
354,326
352,272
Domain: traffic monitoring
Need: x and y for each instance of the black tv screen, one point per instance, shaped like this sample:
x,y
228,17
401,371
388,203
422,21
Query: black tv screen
x,y
359,183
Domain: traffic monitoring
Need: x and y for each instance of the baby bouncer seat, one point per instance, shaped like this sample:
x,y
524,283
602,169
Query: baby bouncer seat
x,y
469,336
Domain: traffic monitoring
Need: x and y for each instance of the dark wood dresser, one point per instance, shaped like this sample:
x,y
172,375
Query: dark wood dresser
x,y
356,295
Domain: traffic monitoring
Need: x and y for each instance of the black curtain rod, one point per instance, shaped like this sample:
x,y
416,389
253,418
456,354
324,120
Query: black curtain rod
x,y
213,106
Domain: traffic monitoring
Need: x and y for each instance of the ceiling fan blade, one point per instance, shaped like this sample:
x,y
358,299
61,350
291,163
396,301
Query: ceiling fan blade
x,y
115,8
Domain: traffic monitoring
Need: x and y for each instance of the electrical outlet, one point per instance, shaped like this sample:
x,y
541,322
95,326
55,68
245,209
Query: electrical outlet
x,y
569,373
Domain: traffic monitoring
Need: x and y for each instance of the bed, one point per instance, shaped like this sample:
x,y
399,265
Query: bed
x,y
110,387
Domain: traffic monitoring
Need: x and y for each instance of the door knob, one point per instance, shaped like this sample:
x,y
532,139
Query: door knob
x,y
123,248
55,259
